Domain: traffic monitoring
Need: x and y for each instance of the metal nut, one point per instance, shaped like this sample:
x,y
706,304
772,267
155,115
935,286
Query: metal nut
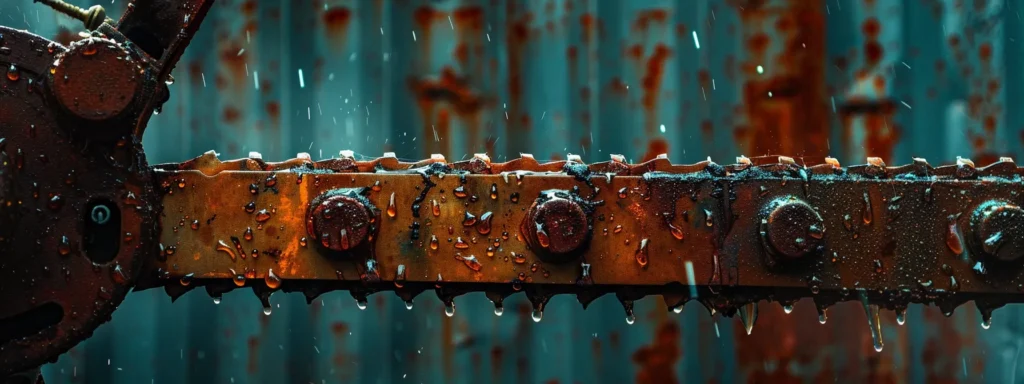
x,y
338,220
998,229
556,226
791,228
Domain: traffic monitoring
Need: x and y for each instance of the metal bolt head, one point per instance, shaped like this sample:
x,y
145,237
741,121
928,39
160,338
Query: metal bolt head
x,y
96,80
999,230
791,228
339,221
556,226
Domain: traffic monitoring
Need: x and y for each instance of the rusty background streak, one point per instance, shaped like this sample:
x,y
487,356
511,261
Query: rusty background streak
x,y
928,78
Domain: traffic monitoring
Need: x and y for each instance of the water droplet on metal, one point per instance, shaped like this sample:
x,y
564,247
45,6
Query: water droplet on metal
x,y
514,197
494,191
64,248
408,305
676,231
302,242
709,219
460,192
484,226
641,254
273,282
471,262
239,279
953,238
376,186
901,316
677,309
822,315
361,304
788,308
435,208
622,192
868,215
186,280
468,219
459,243
12,73
542,236
248,234
392,209
618,228
216,300
223,247
498,309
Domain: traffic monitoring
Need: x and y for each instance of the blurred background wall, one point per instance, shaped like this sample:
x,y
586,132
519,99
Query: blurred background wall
x,y
692,78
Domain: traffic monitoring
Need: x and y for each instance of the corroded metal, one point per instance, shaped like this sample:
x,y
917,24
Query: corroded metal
x,y
690,232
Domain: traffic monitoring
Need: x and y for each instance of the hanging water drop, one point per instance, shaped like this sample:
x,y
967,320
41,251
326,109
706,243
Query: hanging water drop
x,y
537,315
273,282
822,315
498,309
361,304
901,316
748,316
677,309
788,308
433,242
216,300
874,324
449,308
408,305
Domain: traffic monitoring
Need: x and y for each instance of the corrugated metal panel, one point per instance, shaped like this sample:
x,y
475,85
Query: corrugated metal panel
x,y
692,78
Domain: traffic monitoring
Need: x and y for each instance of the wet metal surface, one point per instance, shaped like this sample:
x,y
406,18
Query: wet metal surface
x,y
888,79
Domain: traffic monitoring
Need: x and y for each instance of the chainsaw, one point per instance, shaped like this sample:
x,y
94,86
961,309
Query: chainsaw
x,y
84,219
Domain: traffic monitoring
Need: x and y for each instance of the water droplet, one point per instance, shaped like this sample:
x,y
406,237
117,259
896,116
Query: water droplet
x,y
56,202
468,219
622,192
816,231
251,207
449,308
542,237
435,208
537,315
953,238
460,192
361,304
485,223
641,254
400,276
186,280
822,315
868,213
12,73
254,189
709,220
223,247
677,309
901,316
195,225
216,300
392,209
64,248
498,309
514,197
518,258
239,279
873,322
494,191
627,305
788,308
928,194
267,310
618,228
273,282
408,305
376,186
470,262
248,234
302,242
459,243
748,315
490,251
676,231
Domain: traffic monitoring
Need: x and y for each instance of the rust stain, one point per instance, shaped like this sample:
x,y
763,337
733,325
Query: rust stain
x,y
497,357
657,362
231,115
651,83
274,112
648,17
457,95
336,23
253,344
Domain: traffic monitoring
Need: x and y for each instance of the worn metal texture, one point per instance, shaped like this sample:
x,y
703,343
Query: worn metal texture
x,y
894,79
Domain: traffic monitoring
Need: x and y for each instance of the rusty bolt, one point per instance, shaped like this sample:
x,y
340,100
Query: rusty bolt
x,y
92,18
999,230
556,226
339,220
791,228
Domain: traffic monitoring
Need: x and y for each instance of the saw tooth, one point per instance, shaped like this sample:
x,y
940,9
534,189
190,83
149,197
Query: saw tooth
x,y
539,298
964,162
255,155
347,154
304,156
833,162
742,160
483,157
574,158
876,162
438,158
389,155
786,160
965,168
748,315
618,158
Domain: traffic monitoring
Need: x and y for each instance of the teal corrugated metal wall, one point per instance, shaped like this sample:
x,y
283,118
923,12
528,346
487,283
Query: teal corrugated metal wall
x,y
693,78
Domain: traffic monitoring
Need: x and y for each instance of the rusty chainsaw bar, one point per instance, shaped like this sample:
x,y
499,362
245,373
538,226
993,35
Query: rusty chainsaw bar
x,y
727,236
